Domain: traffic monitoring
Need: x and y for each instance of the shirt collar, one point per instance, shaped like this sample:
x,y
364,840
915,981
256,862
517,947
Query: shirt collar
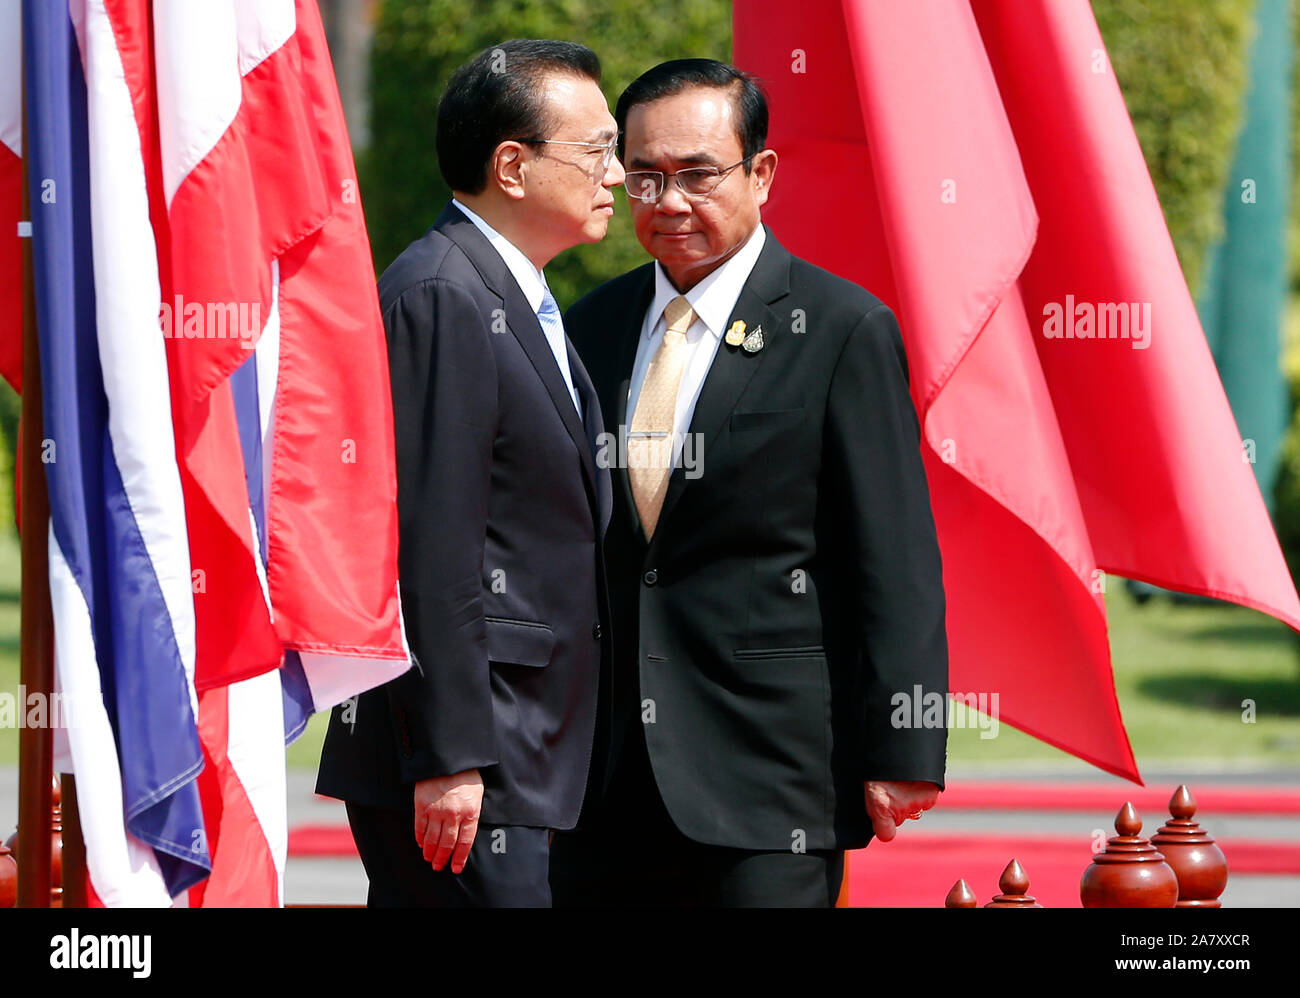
x,y
714,298
531,281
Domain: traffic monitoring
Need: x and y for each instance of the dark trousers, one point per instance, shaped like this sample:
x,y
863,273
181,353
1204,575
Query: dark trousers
x,y
628,853
507,865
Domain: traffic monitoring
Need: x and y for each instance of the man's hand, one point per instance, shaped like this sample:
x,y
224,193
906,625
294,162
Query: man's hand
x,y
446,817
890,803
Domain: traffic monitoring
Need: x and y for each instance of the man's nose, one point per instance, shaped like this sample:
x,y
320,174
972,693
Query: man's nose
x,y
614,173
673,201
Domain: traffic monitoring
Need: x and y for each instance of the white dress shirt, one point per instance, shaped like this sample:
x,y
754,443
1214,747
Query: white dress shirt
x,y
532,283
713,299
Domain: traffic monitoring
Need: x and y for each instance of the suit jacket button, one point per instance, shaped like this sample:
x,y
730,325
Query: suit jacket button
x,y
596,631
650,577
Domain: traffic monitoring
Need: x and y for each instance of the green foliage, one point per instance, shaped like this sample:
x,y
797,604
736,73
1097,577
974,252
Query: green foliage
x,y
418,43
1183,70
1286,490
1293,238
10,407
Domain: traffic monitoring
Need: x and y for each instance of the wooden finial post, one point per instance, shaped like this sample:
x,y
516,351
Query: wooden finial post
x,y
961,896
1130,873
1196,860
1014,884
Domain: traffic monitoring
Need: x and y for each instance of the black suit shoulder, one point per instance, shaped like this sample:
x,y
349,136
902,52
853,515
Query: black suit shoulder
x,y
841,302
840,295
432,257
613,294
847,309
586,318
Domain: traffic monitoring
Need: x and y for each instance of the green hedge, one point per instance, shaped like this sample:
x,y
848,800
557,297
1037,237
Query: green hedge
x,y
1286,491
1182,67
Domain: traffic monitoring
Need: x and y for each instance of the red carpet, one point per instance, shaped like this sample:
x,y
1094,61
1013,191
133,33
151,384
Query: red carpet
x,y
321,840
1108,798
917,870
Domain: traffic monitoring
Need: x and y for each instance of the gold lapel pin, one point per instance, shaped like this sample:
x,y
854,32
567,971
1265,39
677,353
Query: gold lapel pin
x,y
736,334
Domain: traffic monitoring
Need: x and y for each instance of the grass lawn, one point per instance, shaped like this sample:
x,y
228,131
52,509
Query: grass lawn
x,y
1181,674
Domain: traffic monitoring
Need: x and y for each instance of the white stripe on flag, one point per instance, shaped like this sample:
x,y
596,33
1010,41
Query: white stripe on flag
x,y
123,870
202,51
255,748
268,375
11,78
334,678
267,368
263,26
199,87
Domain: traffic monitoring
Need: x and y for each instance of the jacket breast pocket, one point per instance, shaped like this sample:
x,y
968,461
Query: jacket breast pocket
x,y
774,419
519,642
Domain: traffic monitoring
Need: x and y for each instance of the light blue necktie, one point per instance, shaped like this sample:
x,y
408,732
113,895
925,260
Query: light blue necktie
x,y
553,328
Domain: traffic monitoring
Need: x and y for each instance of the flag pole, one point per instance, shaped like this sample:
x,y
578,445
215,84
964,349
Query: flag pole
x,y
35,742
76,878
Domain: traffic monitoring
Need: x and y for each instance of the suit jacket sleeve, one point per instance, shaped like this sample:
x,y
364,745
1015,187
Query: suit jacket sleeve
x,y
895,570
445,412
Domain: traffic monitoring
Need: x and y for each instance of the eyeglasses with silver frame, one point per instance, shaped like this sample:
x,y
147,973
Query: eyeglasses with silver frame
x,y
696,182
609,147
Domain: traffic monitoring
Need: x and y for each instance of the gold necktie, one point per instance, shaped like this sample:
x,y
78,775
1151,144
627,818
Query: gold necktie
x,y
650,440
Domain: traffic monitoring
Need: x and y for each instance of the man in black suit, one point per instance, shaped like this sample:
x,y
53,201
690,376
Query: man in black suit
x,y
456,773
774,574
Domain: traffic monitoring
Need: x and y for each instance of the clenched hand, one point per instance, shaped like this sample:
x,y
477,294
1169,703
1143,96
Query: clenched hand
x,y
891,802
446,817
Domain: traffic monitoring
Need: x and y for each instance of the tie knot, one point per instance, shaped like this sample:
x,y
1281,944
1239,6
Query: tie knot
x,y
548,306
679,315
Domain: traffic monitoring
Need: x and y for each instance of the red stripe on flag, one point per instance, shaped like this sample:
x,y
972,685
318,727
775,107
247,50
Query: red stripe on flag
x,y
11,269
243,870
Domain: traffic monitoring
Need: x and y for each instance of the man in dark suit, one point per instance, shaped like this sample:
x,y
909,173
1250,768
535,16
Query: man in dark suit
x,y
456,773
774,574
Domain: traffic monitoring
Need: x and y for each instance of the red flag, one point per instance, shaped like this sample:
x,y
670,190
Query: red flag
x,y
973,164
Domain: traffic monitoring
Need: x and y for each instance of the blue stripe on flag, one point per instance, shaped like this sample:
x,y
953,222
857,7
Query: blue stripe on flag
x,y
146,693
295,692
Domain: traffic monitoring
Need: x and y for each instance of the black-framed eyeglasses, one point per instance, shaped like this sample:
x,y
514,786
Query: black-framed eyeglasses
x,y
607,148
695,182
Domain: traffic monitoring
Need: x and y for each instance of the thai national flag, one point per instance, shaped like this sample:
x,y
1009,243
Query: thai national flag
x,y
218,429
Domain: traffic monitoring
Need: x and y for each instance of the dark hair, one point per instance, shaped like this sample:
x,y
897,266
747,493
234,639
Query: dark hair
x,y
671,78
499,96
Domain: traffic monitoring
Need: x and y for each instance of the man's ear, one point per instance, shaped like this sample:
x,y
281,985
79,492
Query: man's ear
x,y
762,174
506,169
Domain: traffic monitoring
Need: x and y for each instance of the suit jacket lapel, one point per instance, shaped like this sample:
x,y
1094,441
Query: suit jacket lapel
x,y
733,367
593,426
522,322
